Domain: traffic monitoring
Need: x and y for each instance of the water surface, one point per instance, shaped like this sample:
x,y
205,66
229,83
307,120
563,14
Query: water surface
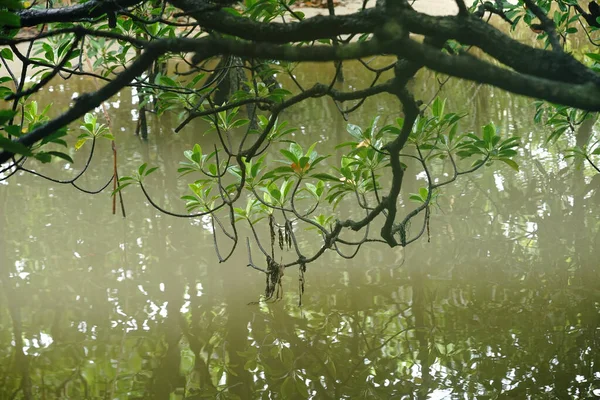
x,y
501,302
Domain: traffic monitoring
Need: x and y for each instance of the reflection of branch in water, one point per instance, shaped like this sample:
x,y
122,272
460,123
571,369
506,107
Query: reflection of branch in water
x,y
472,182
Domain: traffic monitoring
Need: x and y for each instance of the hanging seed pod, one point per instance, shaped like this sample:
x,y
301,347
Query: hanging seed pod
x,y
280,237
272,232
301,271
288,234
268,275
272,278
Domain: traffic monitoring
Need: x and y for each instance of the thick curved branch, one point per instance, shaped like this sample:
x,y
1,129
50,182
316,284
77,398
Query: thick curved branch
x,y
208,47
557,66
79,12
411,112
585,96
77,30
468,30
314,28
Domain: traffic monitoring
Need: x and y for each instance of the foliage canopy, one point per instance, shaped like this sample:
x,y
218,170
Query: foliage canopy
x,y
226,63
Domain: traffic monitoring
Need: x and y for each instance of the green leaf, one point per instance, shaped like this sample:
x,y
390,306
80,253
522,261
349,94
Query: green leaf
x,y
13,130
489,131
556,134
510,142
12,4
64,156
593,56
437,108
390,129
510,163
239,122
43,157
287,388
296,150
477,163
275,193
6,115
303,162
331,367
9,19
54,136
256,167
165,80
212,169
7,54
287,358
317,160
14,147
507,153
196,153
267,198
119,188
285,187
142,168
89,118
289,155
301,388
151,170
250,365
351,144
355,131
81,142
277,173
325,177
416,198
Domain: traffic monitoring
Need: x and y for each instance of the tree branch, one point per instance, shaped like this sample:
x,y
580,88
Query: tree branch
x,y
314,28
547,24
559,67
79,12
585,95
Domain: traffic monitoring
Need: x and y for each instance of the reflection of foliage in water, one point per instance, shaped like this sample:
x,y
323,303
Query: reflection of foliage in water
x,y
480,337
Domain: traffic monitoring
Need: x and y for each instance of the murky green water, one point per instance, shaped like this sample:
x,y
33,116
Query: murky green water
x,y
503,302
